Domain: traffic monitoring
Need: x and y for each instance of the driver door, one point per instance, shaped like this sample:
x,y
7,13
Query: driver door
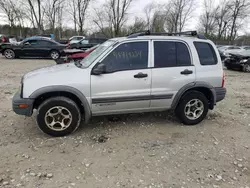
x,y
29,48
125,85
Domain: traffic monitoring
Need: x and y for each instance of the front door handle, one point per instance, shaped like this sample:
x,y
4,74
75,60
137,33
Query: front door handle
x,y
187,72
140,75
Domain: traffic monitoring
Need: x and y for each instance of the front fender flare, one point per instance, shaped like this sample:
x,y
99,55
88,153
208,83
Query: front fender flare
x,y
69,89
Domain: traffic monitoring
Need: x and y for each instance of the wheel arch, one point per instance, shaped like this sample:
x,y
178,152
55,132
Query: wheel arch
x,y
52,91
202,87
8,48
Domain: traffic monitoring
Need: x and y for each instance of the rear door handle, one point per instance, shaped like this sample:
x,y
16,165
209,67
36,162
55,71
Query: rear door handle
x,y
187,72
140,75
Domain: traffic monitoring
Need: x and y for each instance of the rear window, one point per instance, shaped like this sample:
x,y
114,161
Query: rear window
x,y
206,53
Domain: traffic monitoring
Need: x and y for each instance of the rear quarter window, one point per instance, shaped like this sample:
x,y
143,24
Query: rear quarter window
x,y
206,53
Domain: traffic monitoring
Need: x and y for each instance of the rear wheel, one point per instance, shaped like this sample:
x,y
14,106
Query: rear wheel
x,y
54,54
9,54
192,108
58,116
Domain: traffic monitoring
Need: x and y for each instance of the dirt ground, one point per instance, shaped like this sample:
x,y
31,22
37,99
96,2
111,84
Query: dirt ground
x,y
150,150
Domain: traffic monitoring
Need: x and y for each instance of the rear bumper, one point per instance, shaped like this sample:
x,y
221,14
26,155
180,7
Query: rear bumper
x,y
220,93
17,101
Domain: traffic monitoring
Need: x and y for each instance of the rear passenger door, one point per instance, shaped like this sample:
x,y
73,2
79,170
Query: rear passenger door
x,y
172,69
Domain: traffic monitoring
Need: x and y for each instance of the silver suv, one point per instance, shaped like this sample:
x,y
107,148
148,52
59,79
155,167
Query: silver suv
x,y
143,72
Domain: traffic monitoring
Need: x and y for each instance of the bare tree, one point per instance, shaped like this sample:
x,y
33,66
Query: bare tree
x,y
113,13
149,13
138,25
82,6
9,8
207,19
158,22
51,10
179,12
101,20
37,13
240,10
73,12
78,9
223,19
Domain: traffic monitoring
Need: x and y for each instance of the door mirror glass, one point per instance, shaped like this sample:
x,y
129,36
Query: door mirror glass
x,y
99,69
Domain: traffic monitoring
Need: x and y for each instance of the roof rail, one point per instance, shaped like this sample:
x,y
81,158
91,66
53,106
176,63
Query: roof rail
x,y
188,33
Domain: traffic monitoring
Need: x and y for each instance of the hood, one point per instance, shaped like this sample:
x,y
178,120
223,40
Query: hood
x,y
244,53
50,70
59,75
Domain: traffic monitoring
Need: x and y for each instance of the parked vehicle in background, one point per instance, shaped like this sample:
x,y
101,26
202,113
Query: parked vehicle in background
x,y
225,49
87,43
3,38
75,39
74,55
143,72
33,47
7,39
245,47
238,62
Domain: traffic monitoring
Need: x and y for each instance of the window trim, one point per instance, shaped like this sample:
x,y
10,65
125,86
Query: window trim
x,y
126,42
169,40
213,52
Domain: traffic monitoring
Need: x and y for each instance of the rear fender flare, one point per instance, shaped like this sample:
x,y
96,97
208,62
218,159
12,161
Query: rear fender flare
x,y
190,86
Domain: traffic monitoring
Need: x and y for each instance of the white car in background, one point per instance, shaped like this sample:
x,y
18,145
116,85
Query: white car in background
x,y
76,39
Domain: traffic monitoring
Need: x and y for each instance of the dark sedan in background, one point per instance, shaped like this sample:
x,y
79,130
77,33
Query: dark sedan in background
x,y
85,44
33,47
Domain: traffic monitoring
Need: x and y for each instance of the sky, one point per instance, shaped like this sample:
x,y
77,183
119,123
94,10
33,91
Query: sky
x,y
136,9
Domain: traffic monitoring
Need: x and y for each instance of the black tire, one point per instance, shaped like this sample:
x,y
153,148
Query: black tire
x,y
9,54
61,102
189,96
54,54
246,68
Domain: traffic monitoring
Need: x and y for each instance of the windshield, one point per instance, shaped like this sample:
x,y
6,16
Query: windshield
x,y
84,41
96,53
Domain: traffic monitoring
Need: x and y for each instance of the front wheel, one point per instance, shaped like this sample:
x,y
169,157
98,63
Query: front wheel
x,y
246,68
54,54
9,54
192,108
58,116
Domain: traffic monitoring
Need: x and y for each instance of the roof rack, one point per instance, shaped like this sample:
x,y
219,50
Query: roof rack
x,y
188,33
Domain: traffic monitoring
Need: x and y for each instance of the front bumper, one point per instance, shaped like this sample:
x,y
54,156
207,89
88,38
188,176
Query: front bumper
x,y
17,102
220,93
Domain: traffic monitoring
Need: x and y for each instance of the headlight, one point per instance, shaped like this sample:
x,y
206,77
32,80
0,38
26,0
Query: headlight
x,y
226,54
244,61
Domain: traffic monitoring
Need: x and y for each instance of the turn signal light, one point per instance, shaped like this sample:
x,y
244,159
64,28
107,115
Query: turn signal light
x,y
23,106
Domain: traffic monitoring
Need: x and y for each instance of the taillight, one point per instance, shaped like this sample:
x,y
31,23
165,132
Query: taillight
x,y
223,79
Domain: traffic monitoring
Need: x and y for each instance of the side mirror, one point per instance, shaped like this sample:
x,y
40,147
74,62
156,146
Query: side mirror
x,y
27,44
99,69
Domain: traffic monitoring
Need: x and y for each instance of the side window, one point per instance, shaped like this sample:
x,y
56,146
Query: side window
x,y
165,54
183,55
171,54
32,42
128,56
45,43
206,53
